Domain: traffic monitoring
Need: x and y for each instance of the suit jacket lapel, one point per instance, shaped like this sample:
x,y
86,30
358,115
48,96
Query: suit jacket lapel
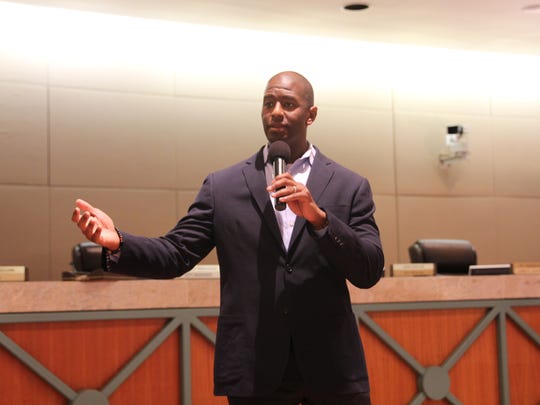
x,y
320,176
256,182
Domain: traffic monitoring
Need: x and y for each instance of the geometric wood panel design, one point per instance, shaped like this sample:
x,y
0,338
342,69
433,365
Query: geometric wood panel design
x,y
457,352
454,352
524,358
76,353
202,360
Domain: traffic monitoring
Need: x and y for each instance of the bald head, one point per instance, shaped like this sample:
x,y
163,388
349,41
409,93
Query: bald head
x,y
291,80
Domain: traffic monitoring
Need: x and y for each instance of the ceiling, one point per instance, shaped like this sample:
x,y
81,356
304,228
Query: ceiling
x,y
482,25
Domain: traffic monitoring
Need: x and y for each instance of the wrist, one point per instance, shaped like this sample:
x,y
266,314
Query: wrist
x,y
115,247
321,222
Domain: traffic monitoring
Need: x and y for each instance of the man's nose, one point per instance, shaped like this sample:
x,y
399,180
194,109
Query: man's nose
x,y
277,112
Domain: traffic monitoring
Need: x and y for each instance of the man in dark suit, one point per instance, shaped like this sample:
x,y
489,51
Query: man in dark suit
x,y
286,332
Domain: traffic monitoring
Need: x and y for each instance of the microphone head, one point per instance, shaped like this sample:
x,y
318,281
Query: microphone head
x,y
279,149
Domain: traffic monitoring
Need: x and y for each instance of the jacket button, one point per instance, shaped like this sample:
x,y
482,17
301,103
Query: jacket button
x,y
338,241
288,268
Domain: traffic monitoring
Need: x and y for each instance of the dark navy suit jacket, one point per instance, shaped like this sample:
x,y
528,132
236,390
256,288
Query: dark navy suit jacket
x,y
272,298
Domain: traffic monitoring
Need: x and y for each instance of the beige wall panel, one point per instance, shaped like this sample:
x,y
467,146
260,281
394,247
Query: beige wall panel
x,y
371,89
112,140
525,103
518,229
23,134
25,237
429,86
235,67
184,200
214,82
110,75
518,95
472,219
214,134
360,140
438,99
516,161
20,66
420,138
141,212
387,222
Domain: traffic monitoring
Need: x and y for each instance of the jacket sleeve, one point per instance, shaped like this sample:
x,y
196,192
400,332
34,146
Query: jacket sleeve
x,y
175,253
353,247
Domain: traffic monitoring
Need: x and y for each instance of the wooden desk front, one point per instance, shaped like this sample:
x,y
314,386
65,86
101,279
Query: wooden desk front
x,y
126,343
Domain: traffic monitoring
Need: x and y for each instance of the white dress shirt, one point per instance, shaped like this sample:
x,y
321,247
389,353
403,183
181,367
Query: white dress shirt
x,y
300,170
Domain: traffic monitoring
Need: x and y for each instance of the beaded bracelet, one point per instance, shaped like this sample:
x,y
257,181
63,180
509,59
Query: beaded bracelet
x,y
113,252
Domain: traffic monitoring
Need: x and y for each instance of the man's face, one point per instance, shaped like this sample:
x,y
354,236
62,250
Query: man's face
x,y
286,112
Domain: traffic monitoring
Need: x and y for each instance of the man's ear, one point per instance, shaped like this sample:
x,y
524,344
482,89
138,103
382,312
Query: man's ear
x,y
312,115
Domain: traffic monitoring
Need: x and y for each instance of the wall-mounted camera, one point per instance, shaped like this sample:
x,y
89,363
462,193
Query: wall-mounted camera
x,y
456,145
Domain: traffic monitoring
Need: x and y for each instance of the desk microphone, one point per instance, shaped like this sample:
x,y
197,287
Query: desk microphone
x,y
279,154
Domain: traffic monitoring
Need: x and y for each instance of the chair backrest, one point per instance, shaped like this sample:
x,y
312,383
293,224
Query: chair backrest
x,y
86,256
451,256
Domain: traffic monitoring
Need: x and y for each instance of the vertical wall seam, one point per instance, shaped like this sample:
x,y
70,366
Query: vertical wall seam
x,y
49,161
394,155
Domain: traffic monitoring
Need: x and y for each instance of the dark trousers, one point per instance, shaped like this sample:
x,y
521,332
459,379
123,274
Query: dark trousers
x,y
292,392
300,397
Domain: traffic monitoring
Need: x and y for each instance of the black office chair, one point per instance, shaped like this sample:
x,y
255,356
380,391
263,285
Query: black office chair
x,y
86,257
88,265
451,256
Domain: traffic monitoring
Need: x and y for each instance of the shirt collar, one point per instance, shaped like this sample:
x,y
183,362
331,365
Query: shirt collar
x,y
308,154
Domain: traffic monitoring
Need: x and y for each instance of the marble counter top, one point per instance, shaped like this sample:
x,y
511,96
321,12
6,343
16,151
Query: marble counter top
x,y
55,296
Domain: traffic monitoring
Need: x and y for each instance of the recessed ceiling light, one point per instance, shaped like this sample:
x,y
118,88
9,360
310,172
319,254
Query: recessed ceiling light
x,y
356,6
532,9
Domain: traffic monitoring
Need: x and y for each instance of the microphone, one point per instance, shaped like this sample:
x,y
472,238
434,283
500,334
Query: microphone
x,y
279,154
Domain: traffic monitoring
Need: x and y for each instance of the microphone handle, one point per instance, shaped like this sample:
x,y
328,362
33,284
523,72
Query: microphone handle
x,y
279,168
